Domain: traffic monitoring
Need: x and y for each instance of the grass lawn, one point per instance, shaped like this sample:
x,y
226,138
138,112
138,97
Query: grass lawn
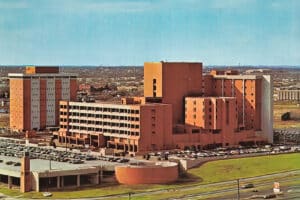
x,y
98,191
9,192
223,170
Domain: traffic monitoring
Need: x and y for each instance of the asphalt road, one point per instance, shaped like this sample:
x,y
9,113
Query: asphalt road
x,y
231,187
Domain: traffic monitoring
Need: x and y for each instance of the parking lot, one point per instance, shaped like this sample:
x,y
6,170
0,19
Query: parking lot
x,y
223,153
55,168
16,148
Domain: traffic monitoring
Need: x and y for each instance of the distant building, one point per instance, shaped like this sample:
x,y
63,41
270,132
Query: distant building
x,y
287,95
35,96
181,108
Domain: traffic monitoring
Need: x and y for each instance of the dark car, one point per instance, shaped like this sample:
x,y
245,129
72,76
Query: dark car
x,y
248,185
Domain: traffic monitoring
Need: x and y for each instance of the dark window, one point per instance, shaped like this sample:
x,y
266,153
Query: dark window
x,y
195,130
227,112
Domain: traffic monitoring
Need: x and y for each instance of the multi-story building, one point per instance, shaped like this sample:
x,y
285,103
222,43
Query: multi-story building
x,y
181,108
287,95
128,127
35,96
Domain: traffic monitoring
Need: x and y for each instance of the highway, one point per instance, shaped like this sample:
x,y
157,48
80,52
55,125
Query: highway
x,y
227,188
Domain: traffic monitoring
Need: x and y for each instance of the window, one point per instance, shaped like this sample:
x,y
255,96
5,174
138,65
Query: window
x,y
154,87
216,131
195,130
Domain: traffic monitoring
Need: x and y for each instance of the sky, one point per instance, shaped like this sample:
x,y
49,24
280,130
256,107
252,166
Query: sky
x,y
131,32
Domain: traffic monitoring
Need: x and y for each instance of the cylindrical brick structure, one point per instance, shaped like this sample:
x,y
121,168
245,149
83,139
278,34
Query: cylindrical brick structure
x,y
163,172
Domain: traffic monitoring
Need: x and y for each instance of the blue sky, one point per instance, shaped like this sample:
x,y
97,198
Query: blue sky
x,y
115,32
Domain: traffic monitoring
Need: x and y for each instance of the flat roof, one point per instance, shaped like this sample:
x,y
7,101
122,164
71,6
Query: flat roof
x,y
210,97
173,62
21,75
110,104
101,104
241,76
39,165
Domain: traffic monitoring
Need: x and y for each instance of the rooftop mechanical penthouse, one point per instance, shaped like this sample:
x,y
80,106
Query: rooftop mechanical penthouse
x,y
181,108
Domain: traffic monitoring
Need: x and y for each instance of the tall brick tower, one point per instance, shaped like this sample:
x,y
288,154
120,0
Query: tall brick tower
x,y
25,173
171,82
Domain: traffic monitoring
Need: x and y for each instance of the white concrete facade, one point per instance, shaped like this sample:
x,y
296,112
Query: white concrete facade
x,y
65,89
267,107
35,103
50,102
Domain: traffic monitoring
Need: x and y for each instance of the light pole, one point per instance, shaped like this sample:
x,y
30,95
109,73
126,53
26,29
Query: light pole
x,y
47,174
66,142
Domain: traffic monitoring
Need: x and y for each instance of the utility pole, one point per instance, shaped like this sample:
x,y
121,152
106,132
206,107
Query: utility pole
x,y
238,189
47,174
66,142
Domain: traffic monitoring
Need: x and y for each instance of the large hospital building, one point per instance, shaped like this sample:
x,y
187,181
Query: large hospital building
x,y
35,96
181,107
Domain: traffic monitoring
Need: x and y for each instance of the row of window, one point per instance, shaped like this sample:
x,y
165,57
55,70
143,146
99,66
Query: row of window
x,y
84,108
110,131
105,109
101,117
100,123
